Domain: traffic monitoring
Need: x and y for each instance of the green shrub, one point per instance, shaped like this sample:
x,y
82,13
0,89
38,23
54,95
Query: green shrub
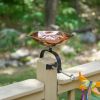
x,y
8,39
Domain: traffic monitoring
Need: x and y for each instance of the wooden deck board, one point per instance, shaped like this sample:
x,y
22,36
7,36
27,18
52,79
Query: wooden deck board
x,y
20,89
87,69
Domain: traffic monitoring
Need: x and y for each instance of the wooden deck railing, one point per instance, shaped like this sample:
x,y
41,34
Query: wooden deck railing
x,y
49,84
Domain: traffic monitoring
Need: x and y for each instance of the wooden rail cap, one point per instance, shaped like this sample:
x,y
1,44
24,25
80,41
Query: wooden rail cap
x,y
20,89
88,69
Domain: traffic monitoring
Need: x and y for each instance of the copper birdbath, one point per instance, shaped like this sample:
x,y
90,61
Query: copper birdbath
x,y
51,39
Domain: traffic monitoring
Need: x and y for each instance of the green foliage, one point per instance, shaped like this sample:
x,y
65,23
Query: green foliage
x,y
8,39
22,74
29,15
28,12
98,44
63,96
93,2
32,43
78,46
76,43
68,18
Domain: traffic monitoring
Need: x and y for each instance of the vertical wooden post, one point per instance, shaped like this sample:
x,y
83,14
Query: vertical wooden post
x,y
71,95
49,77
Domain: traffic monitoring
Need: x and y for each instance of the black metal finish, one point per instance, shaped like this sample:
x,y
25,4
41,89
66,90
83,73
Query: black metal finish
x,y
56,64
50,66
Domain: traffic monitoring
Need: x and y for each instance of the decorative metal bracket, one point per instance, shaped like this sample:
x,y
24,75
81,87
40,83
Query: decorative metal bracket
x,y
57,64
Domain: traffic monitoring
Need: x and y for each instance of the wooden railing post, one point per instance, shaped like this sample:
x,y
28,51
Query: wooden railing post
x,y
71,95
48,77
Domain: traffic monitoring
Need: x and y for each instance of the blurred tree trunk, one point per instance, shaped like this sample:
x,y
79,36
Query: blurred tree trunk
x,y
76,4
50,12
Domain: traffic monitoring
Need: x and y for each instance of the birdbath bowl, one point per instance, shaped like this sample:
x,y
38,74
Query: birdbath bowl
x,y
51,39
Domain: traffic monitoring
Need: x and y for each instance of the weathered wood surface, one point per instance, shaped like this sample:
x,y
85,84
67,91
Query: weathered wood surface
x,y
49,83
48,77
90,70
20,89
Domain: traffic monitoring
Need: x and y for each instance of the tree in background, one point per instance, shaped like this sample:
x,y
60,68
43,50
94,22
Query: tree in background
x,y
50,12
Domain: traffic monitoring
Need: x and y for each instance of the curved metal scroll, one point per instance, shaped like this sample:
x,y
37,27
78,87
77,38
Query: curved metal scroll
x,y
58,60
